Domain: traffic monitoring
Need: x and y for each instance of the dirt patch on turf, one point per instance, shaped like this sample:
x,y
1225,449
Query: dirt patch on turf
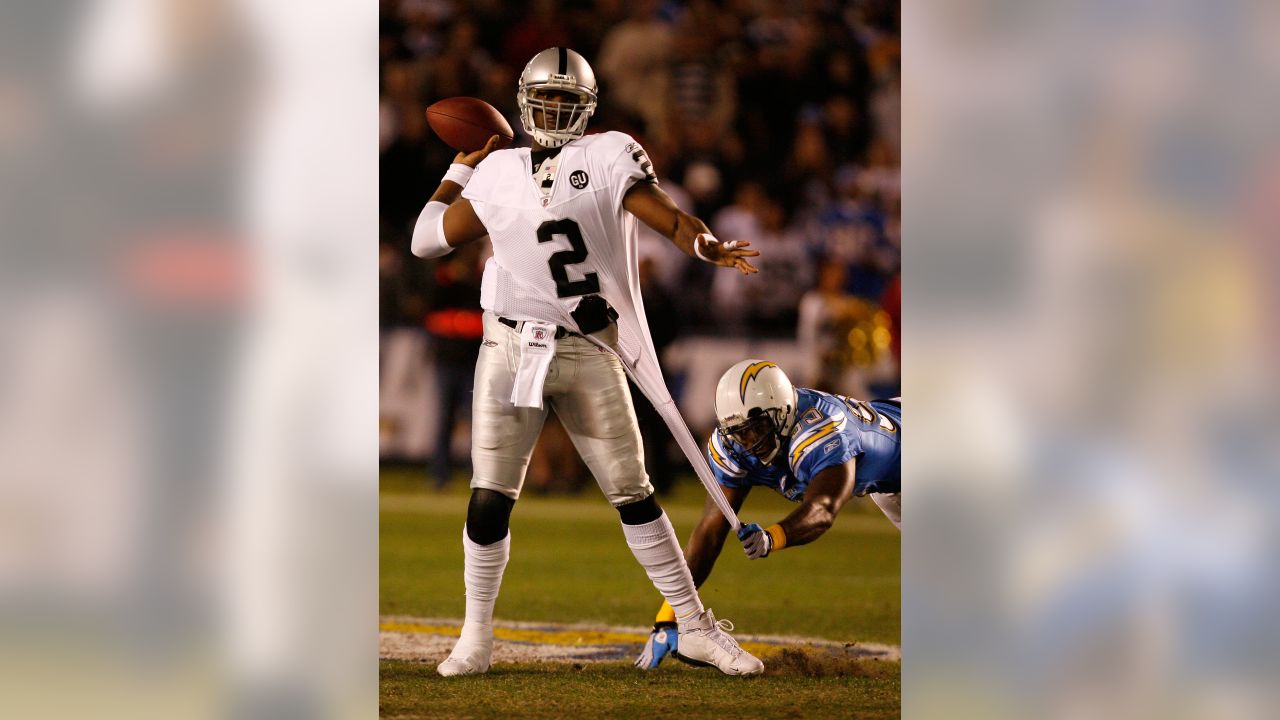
x,y
820,662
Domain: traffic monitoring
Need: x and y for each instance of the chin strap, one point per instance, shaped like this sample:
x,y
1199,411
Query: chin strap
x,y
551,143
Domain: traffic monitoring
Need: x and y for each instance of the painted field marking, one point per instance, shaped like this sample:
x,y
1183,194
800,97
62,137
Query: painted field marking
x,y
421,638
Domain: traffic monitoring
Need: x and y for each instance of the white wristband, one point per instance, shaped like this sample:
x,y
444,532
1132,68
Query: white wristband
x,y
697,246
459,173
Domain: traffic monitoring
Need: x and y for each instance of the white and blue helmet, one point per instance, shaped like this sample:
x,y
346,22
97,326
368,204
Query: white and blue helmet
x,y
756,407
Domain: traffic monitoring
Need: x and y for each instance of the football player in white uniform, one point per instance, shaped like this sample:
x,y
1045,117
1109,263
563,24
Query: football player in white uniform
x,y
562,306
814,448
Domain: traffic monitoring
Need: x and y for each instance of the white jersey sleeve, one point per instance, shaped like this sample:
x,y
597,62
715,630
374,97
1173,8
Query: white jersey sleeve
x,y
629,164
486,186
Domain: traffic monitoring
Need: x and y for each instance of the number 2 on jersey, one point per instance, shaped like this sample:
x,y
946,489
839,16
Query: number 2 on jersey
x,y
565,287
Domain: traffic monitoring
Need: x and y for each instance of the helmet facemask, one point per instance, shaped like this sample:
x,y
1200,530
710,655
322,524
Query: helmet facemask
x,y
761,434
562,120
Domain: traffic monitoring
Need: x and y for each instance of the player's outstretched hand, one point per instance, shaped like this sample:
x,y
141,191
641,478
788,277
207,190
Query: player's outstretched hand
x,y
756,543
662,641
473,159
732,254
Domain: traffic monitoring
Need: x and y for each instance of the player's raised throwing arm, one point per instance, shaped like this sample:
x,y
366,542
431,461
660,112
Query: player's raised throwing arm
x,y
446,223
656,209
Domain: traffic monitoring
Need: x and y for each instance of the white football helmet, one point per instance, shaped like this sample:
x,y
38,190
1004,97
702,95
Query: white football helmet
x,y
756,407
557,69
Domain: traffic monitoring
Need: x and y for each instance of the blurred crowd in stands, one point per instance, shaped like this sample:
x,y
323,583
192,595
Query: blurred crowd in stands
x,y
774,121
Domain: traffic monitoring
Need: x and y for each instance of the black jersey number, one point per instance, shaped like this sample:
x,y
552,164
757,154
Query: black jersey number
x,y
565,287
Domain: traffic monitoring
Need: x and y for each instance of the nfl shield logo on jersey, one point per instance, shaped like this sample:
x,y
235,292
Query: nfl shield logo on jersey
x,y
539,334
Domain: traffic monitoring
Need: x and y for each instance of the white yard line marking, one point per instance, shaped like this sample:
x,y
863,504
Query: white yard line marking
x,y
411,638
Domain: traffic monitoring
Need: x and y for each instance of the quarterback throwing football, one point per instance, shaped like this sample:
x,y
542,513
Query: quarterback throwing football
x,y
814,448
562,306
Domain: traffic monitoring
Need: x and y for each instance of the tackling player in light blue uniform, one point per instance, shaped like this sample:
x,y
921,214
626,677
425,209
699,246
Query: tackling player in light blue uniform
x,y
832,430
814,448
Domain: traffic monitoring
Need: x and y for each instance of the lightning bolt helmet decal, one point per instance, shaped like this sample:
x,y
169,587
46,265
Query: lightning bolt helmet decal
x,y
749,374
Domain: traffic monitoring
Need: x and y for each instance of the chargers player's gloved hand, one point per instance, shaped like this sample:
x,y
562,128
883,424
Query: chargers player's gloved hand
x,y
755,541
662,642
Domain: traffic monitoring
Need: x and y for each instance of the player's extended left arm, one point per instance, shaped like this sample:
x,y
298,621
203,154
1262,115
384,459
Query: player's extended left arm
x,y
657,210
446,223
829,490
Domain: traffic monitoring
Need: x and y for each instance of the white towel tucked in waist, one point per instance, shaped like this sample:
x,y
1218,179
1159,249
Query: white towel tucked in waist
x,y
537,350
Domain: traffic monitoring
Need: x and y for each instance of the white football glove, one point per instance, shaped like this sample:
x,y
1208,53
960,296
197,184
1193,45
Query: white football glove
x,y
755,541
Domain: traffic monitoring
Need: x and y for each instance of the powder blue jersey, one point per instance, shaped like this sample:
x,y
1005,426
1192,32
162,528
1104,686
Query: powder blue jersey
x,y
830,429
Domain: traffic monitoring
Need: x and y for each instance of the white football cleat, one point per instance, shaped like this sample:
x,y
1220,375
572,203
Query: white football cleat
x,y
469,657
706,640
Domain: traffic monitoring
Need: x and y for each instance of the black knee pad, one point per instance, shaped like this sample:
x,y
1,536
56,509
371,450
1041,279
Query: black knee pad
x,y
488,516
640,512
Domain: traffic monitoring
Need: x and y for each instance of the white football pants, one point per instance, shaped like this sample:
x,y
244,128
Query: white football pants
x,y
586,387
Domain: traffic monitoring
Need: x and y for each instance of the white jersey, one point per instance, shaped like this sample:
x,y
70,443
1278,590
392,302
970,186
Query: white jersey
x,y
550,251
577,240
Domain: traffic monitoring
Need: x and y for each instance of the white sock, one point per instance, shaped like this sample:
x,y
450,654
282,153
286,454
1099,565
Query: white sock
x,y
655,545
482,573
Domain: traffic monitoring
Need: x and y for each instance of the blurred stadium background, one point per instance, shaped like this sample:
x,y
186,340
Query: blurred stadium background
x,y
190,497
775,122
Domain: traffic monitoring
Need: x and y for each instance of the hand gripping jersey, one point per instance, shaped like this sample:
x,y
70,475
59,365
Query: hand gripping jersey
x,y
552,249
830,429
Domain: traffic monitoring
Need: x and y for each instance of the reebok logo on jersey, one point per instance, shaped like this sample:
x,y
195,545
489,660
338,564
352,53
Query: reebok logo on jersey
x,y
578,179
488,343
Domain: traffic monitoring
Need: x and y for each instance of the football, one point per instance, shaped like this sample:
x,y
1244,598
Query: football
x,y
466,123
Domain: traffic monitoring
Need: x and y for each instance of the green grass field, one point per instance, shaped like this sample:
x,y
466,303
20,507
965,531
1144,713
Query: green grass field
x,y
867,690
570,563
